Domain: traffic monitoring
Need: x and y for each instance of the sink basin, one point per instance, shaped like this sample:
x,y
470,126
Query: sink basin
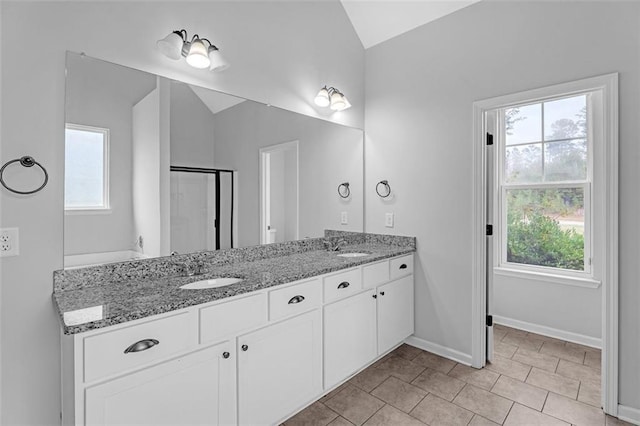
x,y
212,283
353,254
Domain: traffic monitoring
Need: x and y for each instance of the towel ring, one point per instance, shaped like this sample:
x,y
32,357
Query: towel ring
x,y
25,161
386,189
343,190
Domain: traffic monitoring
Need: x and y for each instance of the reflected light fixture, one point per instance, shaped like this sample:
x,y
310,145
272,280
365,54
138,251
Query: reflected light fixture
x,y
332,98
196,52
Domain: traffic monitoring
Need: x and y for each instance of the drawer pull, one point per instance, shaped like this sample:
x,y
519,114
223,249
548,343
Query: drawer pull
x,y
403,266
343,284
382,293
296,299
142,345
245,348
226,355
375,296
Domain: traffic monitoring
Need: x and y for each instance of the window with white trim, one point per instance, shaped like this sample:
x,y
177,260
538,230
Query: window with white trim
x,y
86,176
545,186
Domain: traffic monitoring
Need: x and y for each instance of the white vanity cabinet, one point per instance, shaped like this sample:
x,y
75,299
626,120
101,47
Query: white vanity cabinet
x,y
251,359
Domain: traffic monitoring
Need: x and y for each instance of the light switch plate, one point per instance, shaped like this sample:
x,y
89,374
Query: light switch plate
x,y
344,218
9,242
388,220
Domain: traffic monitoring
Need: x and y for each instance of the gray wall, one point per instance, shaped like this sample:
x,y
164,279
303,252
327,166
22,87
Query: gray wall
x,y
420,88
328,155
273,70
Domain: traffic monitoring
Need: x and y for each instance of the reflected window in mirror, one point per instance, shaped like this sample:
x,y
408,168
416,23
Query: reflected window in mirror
x,y
86,168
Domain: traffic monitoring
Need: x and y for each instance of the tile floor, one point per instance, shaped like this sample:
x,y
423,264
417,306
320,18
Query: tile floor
x,y
533,380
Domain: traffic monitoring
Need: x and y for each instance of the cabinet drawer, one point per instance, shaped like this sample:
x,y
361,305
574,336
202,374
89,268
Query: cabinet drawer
x,y
295,299
401,266
218,322
375,274
342,284
104,353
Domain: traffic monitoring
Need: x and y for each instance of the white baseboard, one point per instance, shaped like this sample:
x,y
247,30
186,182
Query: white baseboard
x,y
593,342
443,351
629,414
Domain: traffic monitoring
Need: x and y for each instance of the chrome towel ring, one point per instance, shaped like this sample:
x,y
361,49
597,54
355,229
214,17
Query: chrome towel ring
x,y
343,190
383,189
25,161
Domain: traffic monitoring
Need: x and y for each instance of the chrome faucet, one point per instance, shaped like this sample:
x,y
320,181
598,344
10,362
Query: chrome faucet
x,y
335,246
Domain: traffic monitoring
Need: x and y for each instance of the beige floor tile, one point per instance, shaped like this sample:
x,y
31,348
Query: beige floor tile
x,y
401,368
498,334
435,362
317,414
562,351
354,404
518,391
510,368
612,421
436,411
400,394
572,411
578,371
524,342
593,359
340,421
333,392
535,359
520,415
484,403
389,415
504,350
554,383
483,378
589,393
369,379
580,347
439,384
481,421
407,351
545,338
515,331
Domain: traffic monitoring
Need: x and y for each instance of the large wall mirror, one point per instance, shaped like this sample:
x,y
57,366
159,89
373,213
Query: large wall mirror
x,y
155,166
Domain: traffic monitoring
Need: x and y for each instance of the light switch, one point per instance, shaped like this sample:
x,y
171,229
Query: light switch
x,y
388,220
344,218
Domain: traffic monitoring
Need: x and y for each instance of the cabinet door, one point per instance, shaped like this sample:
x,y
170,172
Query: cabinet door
x,y
279,369
349,336
195,389
395,313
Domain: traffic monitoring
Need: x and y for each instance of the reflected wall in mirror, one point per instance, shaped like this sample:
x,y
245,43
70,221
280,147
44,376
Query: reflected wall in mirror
x,y
186,169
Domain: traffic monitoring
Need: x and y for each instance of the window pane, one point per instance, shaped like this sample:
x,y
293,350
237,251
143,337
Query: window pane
x,y
545,227
566,118
84,169
565,160
523,124
523,164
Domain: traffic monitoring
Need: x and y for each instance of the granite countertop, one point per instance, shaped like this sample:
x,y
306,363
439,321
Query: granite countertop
x,y
95,307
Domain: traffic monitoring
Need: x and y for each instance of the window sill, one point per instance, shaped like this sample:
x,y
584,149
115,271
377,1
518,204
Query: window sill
x,y
74,212
550,278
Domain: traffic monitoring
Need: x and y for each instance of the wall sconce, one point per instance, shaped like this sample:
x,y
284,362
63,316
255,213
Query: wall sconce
x,y
332,98
196,52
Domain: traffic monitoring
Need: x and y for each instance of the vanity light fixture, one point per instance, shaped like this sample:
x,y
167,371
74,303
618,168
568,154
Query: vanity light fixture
x,y
332,98
196,52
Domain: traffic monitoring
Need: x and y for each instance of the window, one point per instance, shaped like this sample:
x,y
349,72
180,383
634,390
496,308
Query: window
x,y
86,177
545,185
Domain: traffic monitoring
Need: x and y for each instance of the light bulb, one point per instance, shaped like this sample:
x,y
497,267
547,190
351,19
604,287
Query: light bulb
x,y
218,62
171,45
198,55
322,98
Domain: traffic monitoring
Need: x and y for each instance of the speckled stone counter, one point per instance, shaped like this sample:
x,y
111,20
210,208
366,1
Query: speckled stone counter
x,y
96,297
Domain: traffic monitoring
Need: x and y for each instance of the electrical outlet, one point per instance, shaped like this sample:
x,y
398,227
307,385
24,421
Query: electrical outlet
x,y
388,220
344,218
9,242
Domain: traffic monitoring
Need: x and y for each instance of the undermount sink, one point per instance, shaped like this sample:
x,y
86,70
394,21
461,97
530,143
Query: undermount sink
x,y
353,254
212,283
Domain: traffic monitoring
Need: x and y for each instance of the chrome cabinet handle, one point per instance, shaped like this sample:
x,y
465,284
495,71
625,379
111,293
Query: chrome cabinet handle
x,y
226,355
142,345
375,296
344,284
382,293
296,299
245,347
403,266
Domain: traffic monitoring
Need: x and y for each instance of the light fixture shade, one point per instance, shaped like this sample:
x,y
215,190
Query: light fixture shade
x,y
198,56
337,101
171,46
322,98
218,62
